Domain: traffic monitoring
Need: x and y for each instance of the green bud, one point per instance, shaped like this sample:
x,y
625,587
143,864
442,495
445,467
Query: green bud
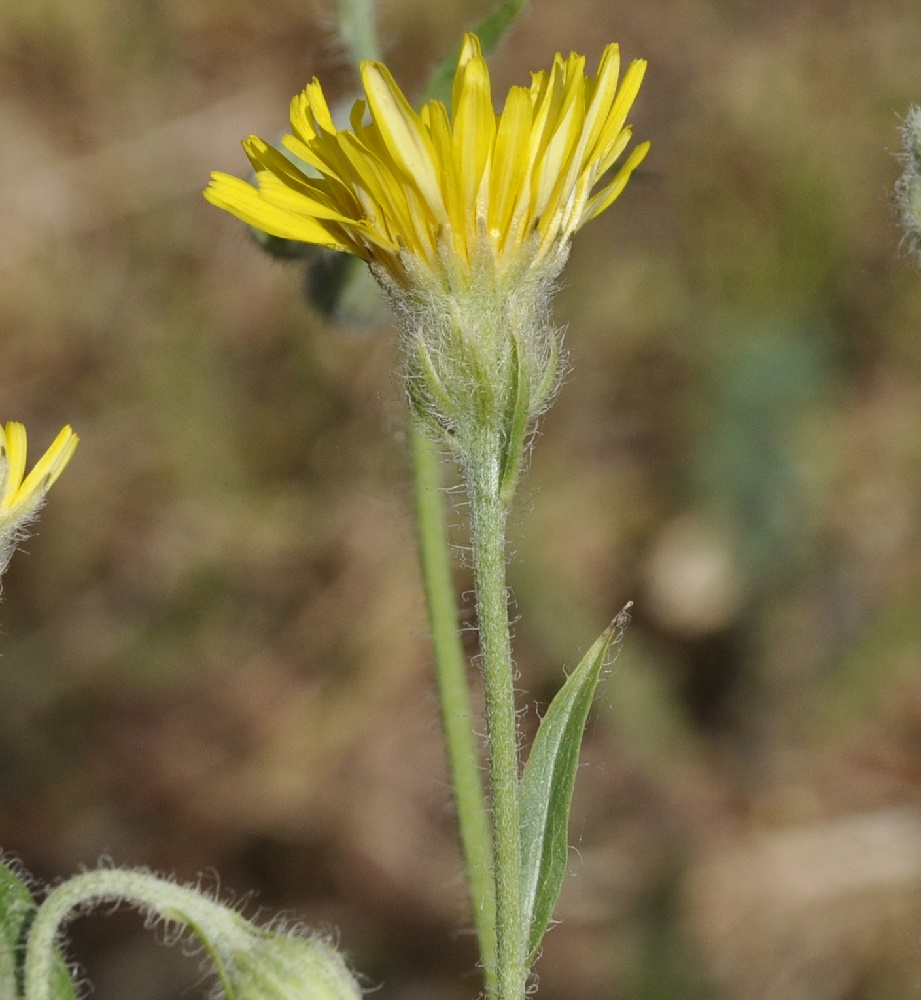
x,y
262,965
482,358
343,291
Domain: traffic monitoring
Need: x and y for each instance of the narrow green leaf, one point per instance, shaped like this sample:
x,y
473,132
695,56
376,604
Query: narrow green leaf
x,y
490,32
516,426
547,787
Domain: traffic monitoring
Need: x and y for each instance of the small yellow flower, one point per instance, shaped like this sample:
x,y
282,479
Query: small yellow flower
x,y
402,189
20,499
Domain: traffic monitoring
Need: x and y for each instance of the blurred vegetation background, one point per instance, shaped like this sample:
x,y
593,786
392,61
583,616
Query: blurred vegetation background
x,y
214,655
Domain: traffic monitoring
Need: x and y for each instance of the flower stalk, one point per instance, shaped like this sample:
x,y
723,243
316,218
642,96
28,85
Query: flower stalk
x,y
250,962
488,514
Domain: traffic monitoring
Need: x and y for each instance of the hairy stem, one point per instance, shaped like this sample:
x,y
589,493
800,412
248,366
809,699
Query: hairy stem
x,y
489,512
167,901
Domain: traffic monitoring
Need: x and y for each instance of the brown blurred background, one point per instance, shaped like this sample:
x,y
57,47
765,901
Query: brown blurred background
x,y
214,656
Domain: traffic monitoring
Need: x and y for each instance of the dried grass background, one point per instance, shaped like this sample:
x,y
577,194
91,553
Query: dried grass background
x,y
214,654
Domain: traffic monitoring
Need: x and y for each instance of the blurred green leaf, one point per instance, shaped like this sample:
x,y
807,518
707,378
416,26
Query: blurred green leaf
x,y
17,908
490,32
547,787
767,377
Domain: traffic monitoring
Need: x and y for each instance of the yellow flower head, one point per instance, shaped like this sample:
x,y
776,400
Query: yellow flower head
x,y
402,189
20,499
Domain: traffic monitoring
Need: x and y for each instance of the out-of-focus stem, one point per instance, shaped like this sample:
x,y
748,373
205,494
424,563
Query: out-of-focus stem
x,y
358,28
454,696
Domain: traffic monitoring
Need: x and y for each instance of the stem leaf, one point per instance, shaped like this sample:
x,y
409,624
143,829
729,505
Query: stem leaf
x,y
490,30
547,786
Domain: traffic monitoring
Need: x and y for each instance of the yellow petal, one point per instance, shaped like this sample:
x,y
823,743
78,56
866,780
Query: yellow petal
x,y
264,157
244,201
546,100
552,168
357,114
600,94
48,467
470,49
4,465
383,199
303,152
509,168
618,114
278,192
16,461
474,132
421,235
318,108
403,134
606,196
439,128
301,118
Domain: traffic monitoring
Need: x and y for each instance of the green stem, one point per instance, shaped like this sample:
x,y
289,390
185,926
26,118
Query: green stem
x,y
454,697
154,896
488,516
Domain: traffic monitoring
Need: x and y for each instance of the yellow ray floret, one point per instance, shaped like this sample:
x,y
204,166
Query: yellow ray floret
x,y
435,184
21,497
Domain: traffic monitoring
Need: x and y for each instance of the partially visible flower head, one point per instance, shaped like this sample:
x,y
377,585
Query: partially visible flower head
x,y
431,193
280,966
908,188
21,498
